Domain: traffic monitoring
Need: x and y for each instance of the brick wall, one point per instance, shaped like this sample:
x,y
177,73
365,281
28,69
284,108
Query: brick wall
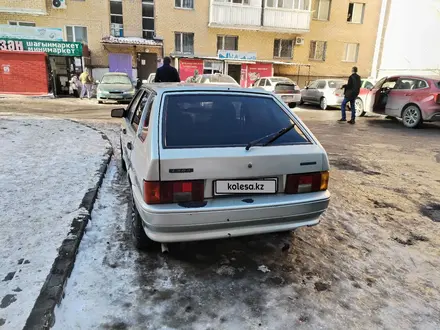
x,y
23,73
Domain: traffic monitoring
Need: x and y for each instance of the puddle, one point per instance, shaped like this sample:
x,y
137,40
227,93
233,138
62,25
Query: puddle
x,y
431,211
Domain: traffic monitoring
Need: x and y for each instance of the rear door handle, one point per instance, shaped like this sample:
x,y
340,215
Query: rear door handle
x,y
124,131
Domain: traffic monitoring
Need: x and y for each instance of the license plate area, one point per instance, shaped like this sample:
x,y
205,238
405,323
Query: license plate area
x,y
246,187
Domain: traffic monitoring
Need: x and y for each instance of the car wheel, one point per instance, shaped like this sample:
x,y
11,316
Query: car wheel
x,y
99,102
301,102
123,165
359,108
323,103
411,116
292,104
140,239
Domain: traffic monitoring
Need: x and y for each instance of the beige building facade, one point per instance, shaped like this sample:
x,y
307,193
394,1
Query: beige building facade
x,y
304,39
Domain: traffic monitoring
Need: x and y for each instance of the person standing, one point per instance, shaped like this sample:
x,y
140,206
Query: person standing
x,y
351,92
167,73
74,85
86,81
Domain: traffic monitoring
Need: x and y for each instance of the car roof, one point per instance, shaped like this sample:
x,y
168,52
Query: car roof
x,y
115,74
190,87
433,77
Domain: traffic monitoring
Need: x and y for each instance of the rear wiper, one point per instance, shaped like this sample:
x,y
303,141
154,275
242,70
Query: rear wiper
x,y
273,136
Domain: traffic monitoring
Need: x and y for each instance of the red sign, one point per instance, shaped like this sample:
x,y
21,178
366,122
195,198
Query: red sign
x,y
188,67
252,72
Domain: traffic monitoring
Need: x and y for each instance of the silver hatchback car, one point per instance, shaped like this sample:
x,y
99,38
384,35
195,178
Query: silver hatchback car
x,y
324,92
208,162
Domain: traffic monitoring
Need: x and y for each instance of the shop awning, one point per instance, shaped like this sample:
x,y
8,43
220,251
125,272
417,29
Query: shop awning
x,y
134,41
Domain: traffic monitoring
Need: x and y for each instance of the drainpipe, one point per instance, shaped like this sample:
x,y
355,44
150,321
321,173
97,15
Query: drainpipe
x,y
262,12
379,40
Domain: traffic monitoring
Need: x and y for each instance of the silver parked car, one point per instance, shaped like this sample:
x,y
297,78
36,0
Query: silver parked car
x,y
208,162
287,89
214,78
115,86
324,92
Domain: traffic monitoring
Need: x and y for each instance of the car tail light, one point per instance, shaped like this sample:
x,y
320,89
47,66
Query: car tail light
x,y
297,88
304,183
166,192
437,98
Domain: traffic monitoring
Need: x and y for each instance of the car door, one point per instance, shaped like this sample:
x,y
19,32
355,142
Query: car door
x,y
319,91
269,86
128,133
374,96
399,96
263,84
307,92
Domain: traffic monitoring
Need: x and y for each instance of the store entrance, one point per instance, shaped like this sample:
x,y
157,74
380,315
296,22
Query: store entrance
x,y
234,70
61,70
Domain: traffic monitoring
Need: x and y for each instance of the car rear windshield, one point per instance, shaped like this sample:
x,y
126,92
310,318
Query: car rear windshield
x,y
224,120
438,84
284,87
116,79
218,79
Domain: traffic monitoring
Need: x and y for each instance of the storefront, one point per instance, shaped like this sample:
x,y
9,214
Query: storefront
x,y
63,59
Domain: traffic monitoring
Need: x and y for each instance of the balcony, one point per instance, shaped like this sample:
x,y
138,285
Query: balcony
x,y
252,15
231,15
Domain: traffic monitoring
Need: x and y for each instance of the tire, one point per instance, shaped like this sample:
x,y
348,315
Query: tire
x,y
323,103
412,116
123,165
292,104
301,102
139,238
99,102
360,112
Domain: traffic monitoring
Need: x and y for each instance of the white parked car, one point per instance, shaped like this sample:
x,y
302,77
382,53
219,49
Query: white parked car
x,y
324,92
208,162
214,78
287,89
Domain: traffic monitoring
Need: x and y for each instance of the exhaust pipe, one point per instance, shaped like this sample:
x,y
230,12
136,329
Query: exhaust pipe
x,y
164,248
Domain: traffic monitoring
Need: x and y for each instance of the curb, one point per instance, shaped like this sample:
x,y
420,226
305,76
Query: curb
x,y
42,315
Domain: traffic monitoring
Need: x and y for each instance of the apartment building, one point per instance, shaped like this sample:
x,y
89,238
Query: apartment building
x,y
114,35
247,39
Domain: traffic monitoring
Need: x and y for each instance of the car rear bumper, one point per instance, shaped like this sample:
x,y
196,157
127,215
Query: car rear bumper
x,y
334,101
290,98
230,217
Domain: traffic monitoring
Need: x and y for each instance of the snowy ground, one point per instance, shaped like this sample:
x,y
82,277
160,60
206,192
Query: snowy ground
x,y
372,263
46,167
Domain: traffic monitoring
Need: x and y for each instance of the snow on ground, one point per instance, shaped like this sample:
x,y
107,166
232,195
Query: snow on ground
x,y
46,167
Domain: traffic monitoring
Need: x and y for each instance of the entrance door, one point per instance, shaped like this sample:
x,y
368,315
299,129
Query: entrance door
x,y
234,70
120,63
146,64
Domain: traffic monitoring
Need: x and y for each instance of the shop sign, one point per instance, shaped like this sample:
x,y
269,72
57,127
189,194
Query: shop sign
x,y
236,55
189,67
57,48
251,72
31,32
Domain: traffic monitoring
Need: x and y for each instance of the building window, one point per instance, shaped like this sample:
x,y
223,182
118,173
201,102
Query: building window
x,y
227,43
237,2
321,11
76,34
210,67
351,52
116,19
21,23
148,19
287,4
283,48
184,43
356,13
317,50
187,4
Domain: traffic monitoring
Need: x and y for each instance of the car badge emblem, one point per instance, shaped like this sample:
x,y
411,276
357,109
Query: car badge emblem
x,y
250,165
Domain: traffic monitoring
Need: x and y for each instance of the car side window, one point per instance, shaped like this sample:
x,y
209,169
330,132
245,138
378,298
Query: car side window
x,y
257,83
262,82
368,85
268,82
313,85
389,84
138,112
146,118
419,84
133,104
321,84
404,83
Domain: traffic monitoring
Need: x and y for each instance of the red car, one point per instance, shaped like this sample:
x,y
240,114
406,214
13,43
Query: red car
x,y
412,98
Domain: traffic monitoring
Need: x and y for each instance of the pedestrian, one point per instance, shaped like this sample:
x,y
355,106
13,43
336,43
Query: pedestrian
x,y
74,85
351,92
167,73
86,81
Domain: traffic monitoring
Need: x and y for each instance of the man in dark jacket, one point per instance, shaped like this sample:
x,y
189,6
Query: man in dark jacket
x,y
351,92
166,73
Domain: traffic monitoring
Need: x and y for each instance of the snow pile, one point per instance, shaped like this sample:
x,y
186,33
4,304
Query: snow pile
x,y
46,168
